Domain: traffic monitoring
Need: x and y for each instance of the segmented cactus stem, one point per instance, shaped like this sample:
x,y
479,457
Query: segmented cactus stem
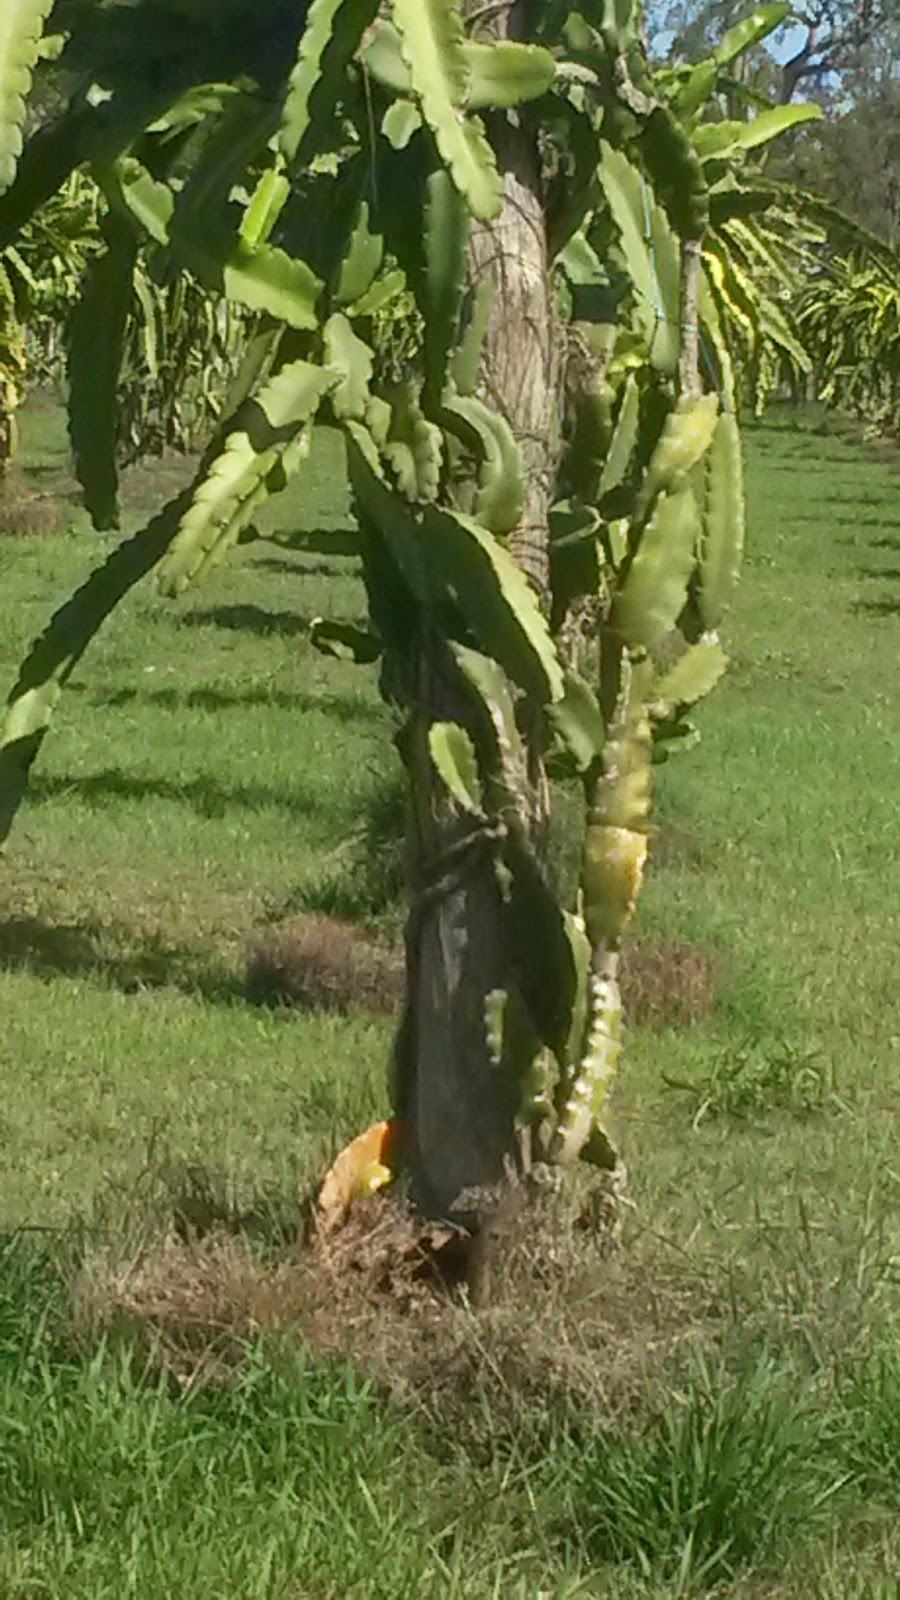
x,y
615,851
587,1093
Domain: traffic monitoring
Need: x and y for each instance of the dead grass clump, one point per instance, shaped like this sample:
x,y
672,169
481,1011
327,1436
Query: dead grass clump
x,y
184,1307
383,1254
666,983
24,512
320,962
571,1329
674,846
583,1334
188,1306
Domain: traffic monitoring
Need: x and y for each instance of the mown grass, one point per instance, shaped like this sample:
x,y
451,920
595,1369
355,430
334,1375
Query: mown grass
x,y
209,771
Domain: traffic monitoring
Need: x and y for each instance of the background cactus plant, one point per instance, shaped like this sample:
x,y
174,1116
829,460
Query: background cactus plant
x,y
850,320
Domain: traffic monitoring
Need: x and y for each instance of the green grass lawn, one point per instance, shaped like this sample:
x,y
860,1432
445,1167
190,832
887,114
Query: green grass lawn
x,y
209,771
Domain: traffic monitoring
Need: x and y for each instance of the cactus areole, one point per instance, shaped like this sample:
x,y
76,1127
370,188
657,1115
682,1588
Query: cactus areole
x,y
547,482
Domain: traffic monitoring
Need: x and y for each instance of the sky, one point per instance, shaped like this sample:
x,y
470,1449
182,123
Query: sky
x,y
782,45
786,44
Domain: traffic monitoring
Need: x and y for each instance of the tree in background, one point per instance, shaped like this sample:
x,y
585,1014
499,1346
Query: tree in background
x,y
853,155
844,54
818,47
850,319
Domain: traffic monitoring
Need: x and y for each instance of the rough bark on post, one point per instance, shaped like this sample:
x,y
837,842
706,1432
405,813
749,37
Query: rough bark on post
x,y
519,369
689,362
458,1110
458,1107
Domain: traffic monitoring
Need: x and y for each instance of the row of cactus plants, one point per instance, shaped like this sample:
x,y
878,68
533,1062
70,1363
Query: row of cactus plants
x,y
849,319
181,347
320,168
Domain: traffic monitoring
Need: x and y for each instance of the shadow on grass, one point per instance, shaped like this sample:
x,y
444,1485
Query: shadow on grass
x,y
203,795
301,568
51,475
342,707
250,619
879,519
811,420
76,950
879,608
363,880
869,509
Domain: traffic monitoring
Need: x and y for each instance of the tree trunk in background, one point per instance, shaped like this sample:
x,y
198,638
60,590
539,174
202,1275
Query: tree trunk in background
x,y
459,1107
12,370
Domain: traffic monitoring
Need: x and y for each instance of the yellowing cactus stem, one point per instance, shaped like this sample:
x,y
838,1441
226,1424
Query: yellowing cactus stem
x,y
615,852
12,370
581,1118
615,846
612,874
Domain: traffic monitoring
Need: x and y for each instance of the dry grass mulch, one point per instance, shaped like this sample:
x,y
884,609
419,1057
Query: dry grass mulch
x,y
667,982
26,512
320,962
386,1291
